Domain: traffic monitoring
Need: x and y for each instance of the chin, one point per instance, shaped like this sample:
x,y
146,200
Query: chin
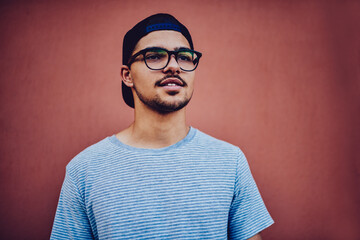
x,y
167,104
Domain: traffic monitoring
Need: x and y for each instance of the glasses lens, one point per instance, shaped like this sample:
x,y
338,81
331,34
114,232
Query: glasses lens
x,y
187,60
156,59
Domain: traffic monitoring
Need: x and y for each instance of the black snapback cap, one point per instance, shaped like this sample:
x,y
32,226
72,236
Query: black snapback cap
x,y
157,22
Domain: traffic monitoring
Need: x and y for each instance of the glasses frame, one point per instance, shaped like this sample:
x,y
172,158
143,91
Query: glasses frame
x,y
170,53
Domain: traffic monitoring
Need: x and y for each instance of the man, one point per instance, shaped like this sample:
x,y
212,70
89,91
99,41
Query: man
x,y
159,178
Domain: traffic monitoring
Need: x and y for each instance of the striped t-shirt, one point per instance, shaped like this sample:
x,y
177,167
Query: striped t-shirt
x,y
198,188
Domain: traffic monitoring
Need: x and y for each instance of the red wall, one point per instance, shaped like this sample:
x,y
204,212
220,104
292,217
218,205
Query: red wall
x,y
280,79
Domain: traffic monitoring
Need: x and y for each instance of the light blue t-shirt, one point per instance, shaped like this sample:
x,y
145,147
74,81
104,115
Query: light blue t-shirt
x,y
198,188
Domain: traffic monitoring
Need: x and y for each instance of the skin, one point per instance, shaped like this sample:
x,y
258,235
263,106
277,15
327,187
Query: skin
x,y
256,237
154,128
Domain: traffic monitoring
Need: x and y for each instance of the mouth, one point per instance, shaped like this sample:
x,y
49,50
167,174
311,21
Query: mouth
x,y
171,83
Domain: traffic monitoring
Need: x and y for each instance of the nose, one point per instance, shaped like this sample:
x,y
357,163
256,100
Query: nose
x,y
172,66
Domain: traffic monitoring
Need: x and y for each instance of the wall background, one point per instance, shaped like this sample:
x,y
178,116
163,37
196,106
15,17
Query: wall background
x,y
280,79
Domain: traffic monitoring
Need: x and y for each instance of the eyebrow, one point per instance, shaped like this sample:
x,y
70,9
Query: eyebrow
x,y
176,48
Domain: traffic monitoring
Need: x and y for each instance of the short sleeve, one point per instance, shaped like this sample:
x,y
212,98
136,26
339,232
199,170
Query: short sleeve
x,y
71,221
248,214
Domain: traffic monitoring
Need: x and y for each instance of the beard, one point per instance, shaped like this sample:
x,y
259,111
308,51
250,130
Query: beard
x,y
160,105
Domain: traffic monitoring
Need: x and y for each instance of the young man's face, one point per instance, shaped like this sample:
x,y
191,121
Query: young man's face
x,y
166,90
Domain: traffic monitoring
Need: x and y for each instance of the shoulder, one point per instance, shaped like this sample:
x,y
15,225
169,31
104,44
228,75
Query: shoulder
x,y
94,153
214,145
212,142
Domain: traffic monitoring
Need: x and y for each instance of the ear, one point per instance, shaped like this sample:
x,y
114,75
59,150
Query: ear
x,y
125,75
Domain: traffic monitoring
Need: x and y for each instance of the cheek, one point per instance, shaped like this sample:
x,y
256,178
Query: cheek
x,y
191,79
141,79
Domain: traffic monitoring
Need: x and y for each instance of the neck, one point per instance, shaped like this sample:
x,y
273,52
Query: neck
x,y
151,129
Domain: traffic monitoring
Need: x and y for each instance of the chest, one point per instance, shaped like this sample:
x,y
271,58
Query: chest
x,y
165,196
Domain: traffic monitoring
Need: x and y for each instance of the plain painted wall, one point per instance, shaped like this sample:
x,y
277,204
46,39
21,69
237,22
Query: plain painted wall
x,y
280,79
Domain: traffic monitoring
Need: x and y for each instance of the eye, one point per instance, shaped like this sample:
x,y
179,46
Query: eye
x,y
185,56
155,55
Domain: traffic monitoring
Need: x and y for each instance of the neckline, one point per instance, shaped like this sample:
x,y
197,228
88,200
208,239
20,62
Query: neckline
x,y
114,140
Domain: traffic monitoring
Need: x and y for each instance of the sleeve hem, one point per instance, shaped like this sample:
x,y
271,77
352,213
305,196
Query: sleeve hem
x,y
258,229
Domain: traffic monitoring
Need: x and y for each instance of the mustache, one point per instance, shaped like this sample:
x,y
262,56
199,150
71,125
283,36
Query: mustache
x,y
157,83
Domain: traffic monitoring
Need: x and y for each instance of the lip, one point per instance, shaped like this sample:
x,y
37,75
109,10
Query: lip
x,y
171,82
172,88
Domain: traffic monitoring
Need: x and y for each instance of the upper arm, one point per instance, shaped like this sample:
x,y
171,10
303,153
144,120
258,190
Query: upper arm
x,y
256,237
71,220
248,215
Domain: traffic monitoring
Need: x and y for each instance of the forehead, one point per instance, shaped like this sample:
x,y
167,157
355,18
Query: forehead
x,y
166,39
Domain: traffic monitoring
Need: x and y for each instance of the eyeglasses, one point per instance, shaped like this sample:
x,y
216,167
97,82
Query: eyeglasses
x,y
158,58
